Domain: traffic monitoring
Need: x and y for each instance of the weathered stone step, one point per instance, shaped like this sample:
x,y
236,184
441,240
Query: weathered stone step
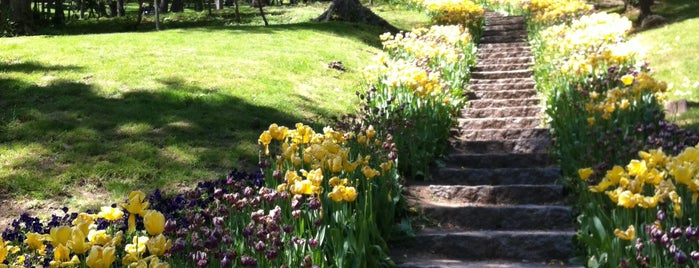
x,y
506,122
486,194
503,45
500,67
502,94
500,20
502,54
514,80
503,49
502,134
502,74
502,39
499,160
496,176
479,104
500,146
408,262
513,32
503,86
529,246
505,27
508,60
524,111
500,217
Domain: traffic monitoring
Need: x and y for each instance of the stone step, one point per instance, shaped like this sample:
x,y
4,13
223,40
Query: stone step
x,y
496,176
524,111
500,146
527,246
499,160
505,27
484,49
501,123
410,262
514,80
479,104
508,60
502,39
503,45
500,67
502,74
531,85
486,194
508,32
502,94
502,134
499,20
502,54
500,217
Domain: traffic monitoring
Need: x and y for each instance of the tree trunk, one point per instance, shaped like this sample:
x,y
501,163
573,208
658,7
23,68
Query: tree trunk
x,y
156,9
262,12
219,4
58,17
164,6
236,10
209,4
120,8
354,11
644,6
22,16
177,6
141,8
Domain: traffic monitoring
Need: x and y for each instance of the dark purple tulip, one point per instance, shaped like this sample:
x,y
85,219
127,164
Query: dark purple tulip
x,y
665,240
271,254
313,242
200,258
307,262
296,202
680,257
675,233
179,245
313,203
287,228
260,246
248,261
170,226
694,255
277,174
639,245
226,262
248,191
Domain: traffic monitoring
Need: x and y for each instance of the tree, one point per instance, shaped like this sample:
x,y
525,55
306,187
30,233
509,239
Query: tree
x,y
21,15
644,6
354,11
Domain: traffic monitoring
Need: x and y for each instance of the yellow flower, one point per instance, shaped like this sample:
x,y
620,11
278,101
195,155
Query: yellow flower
x,y
627,79
302,187
135,206
59,235
349,194
110,213
100,257
628,235
134,250
34,241
154,222
591,121
277,133
83,222
281,187
61,253
77,243
70,263
3,250
265,139
627,199
337,193
585,173
637,168
370,133
158,245
98,237
370,173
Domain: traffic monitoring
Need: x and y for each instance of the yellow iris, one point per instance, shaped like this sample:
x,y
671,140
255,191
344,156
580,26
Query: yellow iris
x,y
135,206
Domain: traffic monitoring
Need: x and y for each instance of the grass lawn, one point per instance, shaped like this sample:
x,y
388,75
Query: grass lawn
x,y
86,118
672,53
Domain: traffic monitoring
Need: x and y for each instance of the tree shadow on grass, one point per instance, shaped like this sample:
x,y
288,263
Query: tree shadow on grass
x,y
64,136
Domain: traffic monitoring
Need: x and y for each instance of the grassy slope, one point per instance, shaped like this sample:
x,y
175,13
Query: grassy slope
x,y
82,114
672,52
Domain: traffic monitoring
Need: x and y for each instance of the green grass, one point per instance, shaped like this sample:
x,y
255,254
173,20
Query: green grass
x,y
671,50
141,110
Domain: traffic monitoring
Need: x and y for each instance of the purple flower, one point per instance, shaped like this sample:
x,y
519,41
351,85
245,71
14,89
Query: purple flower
x,y
271,254
680,257
200,258
248,261
260,246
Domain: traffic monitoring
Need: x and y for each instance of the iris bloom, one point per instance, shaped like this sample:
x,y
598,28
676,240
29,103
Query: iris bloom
x,y
100,257
135,206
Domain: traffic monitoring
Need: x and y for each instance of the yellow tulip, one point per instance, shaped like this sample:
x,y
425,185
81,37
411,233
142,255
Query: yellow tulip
x,y
350,194
628,235
98,237
585,173
100,257
158,245
627,79
110,213
3,250
154,222
59,235
369,172
61,253
83,222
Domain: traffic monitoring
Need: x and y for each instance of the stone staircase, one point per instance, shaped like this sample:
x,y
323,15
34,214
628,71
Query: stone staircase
x,y
495,202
